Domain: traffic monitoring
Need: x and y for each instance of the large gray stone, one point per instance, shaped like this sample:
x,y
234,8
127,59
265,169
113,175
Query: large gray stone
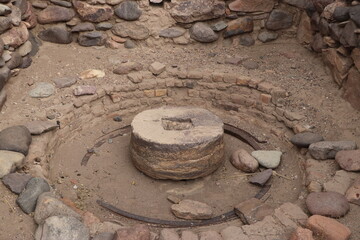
x,y
279,19
197,10
328,149
354,14
15,138
64,82
5,24
202,32
62,227
93,13
16,182
48,206
42,90
267,158
83,27
304,139
267,36
94,38
172,32
331,204
133,30
15,61
9,161
128,10
56,34
28,198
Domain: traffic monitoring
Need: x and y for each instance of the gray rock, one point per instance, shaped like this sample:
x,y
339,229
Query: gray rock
x,y
246,40
93,38
5,24
217,27
328,149
62,3
202,32
189,209
83,27
267,36
42,90
279,19
4,10
331,204
54,14
16,182
4,76
261,178
34,188
56,34
169,234
9,161
15,61
250,64
132,30
128,10
15,138
38,127
26,62
62,227
354,14
48,206
348,36
268,159
25,49
129,44
103,26
172,32
341,13
303,140
64,82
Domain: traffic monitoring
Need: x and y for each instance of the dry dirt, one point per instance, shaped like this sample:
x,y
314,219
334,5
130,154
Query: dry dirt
x,y
109,174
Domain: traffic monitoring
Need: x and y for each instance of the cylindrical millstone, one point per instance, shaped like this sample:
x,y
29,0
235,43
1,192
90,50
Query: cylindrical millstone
x,y
177,142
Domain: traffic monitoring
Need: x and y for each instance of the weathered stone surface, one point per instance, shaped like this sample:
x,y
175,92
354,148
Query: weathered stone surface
x,y
53,14
305,31
168,157
328,228
16,182
92,73
38,127
168,234
239,26
348,159
189,209
292,212
25,49
129,44
172,32
210,235
302,234
268,159
339,183
15,138
197,10
329,204
42,90
64,82
93,13
5,24
48,206
328,149
128,10
157,68
318,43
4,10
34,188
94,38
62,227
348,37
303,140
279,19
9,161
321,4
202,32
252,5
56,34
252,210
246,40
84,90
125,68
133,30
353,193
341,13
261,178
15,61
267,36
243,161
352,88
83,27
138,232
103,26
354,14
233,233
16,36
217,27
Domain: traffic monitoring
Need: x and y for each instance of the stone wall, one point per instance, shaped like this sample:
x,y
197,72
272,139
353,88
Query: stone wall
x,y
120,23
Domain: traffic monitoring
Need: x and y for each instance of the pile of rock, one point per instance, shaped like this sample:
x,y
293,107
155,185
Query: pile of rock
x,y
332,28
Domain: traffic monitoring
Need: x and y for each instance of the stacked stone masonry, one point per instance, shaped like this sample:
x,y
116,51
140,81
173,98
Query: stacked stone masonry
x,y
329,27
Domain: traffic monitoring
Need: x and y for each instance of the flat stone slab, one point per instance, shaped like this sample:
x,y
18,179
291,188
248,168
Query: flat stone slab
x,y
16,182
268,159
189,209
305,139
330,204
177,142
328,149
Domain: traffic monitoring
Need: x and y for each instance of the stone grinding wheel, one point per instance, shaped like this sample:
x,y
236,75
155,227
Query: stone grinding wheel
x,y
177,142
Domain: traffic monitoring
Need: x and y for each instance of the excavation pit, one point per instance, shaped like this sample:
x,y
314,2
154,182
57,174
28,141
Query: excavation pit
x,y
177,143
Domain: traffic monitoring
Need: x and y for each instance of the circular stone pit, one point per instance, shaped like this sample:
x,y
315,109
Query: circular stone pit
x,y
177,142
